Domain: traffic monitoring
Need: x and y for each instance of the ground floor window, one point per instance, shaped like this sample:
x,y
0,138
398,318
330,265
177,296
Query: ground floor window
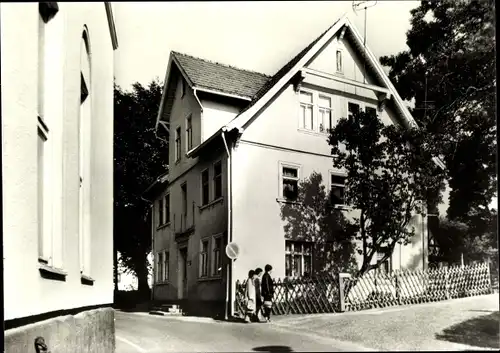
x,y
204,258
386,266
298,258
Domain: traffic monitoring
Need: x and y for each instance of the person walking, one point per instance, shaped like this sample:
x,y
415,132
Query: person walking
x,y
250,296
267,291
258,294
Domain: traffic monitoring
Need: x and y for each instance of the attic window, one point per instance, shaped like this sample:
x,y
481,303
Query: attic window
x,y
183,90
339,61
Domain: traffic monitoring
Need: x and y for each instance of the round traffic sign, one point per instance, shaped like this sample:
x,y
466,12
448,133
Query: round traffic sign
x,y
232,251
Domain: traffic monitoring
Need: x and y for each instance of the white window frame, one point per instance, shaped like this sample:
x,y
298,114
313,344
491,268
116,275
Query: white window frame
x,y
178,144
302,125
362,106
189,132
206,170
328,109
282,165
204,263
331,185
217,177
292,252
214,267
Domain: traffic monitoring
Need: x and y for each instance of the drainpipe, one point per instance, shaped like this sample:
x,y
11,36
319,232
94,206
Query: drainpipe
x,y
229,270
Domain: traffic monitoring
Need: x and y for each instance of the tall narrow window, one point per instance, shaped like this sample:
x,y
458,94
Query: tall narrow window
x,y
160,212
184,204
44,155
217,180
339,61
386,265
205,187
178,144
290,183
217,260
352,109
84,144
183,89
306,111
159,273
189,133
204,258
167,208
166,259
325,114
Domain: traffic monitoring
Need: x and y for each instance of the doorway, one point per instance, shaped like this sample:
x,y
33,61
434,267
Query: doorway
x,y
182,291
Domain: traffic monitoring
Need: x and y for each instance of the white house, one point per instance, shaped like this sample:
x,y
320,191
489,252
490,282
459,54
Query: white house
x,y
240,143
57,175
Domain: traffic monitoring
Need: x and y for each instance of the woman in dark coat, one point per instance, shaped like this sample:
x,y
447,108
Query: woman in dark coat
x,y
267,292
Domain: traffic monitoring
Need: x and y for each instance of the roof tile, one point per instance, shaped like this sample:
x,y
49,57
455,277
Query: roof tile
x,y
221,77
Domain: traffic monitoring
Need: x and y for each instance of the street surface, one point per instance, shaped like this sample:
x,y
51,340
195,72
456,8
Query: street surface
x,y
461,324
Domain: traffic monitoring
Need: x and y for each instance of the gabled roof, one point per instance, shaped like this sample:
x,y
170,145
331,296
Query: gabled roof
x,y
220,77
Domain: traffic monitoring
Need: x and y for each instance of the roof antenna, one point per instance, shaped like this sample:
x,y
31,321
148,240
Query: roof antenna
x,y
364,5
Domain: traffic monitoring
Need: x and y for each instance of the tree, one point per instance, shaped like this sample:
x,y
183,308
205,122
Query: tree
x,y
389,173
451,63
140,157
312,218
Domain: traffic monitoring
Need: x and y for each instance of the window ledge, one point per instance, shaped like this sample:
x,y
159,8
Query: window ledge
x,y
282,200
87,280
162,283
50,272
313,132
209,279
165,225
214,202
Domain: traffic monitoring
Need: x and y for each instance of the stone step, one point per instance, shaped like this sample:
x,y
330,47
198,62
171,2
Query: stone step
x,y
177,312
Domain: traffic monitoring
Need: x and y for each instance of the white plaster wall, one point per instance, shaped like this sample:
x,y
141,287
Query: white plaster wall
x,y
215,115
26,292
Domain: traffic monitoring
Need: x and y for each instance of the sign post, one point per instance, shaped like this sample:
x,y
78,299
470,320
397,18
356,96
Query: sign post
x,y
232,252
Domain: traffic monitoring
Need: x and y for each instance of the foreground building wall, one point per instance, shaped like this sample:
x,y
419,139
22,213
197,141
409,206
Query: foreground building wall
x,y
57,173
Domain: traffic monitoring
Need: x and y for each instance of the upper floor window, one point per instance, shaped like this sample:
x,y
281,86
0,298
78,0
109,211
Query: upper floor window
x,y
178,144
340,68
184,203
189,133
306,110
217,180
205,187
183,89
298,259
160,212
325,114
290,182
371,111
167,208
337,189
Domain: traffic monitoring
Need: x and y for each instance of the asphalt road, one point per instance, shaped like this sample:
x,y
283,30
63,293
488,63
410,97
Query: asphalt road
x,y
141,332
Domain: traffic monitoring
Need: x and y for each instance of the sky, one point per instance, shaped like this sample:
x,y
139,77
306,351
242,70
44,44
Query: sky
x,y
258,36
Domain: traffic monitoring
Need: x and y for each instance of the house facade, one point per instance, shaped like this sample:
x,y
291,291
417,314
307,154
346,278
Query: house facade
x,y
57,175
261,137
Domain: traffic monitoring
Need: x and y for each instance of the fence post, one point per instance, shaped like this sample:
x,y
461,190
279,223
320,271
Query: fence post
x,y
488,269
341,290
447,292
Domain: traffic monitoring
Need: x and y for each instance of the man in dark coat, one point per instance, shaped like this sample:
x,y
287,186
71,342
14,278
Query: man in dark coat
x,y
267,292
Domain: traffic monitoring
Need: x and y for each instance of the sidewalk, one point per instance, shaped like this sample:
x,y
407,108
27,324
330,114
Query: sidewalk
x,y
459,324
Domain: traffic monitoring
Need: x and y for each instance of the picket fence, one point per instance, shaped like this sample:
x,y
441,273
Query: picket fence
x,y
341,292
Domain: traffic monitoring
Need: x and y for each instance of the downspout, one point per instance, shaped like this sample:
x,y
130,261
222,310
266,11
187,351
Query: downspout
x,y
229,270
201,111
